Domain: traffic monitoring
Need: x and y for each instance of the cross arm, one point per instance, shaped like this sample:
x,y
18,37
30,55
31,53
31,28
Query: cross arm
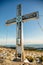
x,y
34,15
31,16
11,21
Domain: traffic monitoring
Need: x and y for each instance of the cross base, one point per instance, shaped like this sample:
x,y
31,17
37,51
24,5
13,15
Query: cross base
x,y
18,62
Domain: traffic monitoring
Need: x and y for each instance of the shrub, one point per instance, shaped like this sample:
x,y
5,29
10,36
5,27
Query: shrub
x,y
41,58
30,59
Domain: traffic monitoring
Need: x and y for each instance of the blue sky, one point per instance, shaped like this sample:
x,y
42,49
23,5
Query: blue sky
x,y
31,30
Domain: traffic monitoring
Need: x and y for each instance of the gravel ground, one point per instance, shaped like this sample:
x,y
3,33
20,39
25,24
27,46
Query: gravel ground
x,y
7,55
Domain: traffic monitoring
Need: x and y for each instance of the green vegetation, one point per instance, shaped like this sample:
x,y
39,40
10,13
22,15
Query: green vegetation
x,y
41,59
29,58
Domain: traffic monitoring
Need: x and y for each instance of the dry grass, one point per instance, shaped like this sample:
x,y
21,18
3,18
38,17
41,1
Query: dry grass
x,y
7,55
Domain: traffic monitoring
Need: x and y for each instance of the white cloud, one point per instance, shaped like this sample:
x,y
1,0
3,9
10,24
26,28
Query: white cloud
x,y
13,41
33,41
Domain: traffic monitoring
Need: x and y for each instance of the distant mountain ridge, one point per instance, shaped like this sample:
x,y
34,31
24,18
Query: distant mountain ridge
x,y
26,47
